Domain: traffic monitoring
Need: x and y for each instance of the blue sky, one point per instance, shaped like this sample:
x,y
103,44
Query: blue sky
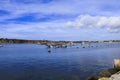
x,y
60,19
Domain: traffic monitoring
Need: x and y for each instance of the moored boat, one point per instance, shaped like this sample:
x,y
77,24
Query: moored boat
x,y
57,46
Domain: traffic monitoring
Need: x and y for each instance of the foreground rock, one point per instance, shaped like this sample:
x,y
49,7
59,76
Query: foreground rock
x,y
113,77
108,73
92,78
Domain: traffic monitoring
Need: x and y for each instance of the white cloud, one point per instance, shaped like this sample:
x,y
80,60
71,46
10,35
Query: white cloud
x,y
107,17
35,28
112,24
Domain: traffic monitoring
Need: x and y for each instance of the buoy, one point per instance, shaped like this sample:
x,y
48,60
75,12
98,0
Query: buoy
x,y
49,51
83,47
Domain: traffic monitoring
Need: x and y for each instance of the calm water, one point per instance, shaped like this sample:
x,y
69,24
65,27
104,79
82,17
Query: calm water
x,y
33,62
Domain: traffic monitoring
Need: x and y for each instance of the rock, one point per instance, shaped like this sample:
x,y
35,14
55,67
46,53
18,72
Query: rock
x,y
103,78
92,78
117,63
115,77
113,70
104,73
107,73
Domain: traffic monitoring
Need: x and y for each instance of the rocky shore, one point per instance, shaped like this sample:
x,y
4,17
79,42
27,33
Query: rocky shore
x,y
106,74
109,74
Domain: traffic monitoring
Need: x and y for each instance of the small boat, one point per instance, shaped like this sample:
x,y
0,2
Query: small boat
x,y
49,51
56,46
50,46
77,47
63,46
83,47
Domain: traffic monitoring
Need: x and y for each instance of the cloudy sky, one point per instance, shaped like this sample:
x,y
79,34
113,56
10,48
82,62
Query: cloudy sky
x,y
60,19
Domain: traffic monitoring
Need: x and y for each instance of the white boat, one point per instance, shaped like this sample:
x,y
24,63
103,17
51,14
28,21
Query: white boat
x,y
57,46
71,44
83,44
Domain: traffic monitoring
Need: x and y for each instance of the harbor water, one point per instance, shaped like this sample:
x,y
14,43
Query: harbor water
x,y
34,62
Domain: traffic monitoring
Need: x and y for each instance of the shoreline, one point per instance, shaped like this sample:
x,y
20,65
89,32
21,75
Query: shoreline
x,y
109,74
105,74
6,40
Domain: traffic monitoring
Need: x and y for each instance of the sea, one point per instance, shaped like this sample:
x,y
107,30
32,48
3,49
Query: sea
x,y
35,62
